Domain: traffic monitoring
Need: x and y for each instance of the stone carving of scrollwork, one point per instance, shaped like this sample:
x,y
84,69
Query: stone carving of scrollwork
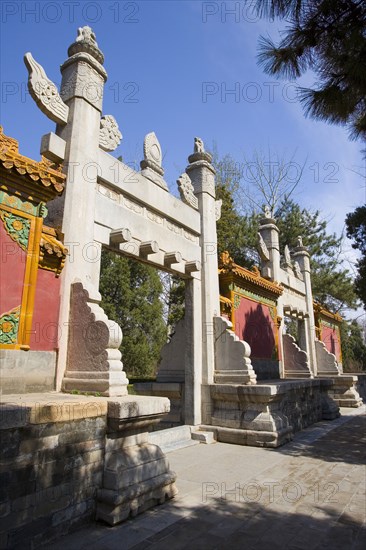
x,y
218,205
297,271
262,249
109,134
287,255
186,191
45,92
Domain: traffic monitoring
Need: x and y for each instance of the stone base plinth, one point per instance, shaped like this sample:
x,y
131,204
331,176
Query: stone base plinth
x,y
134,488
65,459
105,384
267,415
344,391
136,472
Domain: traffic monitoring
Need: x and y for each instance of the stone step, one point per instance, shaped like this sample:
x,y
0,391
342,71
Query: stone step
x,y
173,439
203,437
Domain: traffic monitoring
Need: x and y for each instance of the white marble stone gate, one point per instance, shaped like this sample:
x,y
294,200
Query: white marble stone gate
x,y
106,203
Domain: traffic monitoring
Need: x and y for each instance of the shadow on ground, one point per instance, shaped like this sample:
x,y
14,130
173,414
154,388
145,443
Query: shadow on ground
x,y
233,525
347,443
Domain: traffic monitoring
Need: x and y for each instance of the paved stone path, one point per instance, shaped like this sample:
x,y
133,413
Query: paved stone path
x,y
309,494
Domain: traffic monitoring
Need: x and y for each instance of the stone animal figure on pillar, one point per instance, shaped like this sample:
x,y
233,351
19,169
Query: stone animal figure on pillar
x,y
198,145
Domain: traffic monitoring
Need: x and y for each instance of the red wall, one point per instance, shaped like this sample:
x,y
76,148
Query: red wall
x,y
12,268
330,337
254,324
45,331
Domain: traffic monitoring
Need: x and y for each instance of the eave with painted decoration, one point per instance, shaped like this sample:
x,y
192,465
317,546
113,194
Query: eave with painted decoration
x,y
21,176
230,272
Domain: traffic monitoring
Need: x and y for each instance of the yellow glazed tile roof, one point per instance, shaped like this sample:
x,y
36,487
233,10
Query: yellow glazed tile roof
x,y
42,172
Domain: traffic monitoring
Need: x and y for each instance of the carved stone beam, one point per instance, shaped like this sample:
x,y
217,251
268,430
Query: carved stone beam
x,y
45,92
172,258
118,236
192,267
149,247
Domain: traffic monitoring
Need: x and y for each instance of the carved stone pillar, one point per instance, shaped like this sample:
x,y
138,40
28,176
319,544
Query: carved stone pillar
x,y
202,174
302,256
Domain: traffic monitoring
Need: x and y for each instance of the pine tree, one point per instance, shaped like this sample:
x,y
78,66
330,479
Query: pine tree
x,y
356,230
353,347
131,296
331,283
329,37
237,233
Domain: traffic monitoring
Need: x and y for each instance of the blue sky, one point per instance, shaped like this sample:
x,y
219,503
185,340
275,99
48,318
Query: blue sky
x,y
159,55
